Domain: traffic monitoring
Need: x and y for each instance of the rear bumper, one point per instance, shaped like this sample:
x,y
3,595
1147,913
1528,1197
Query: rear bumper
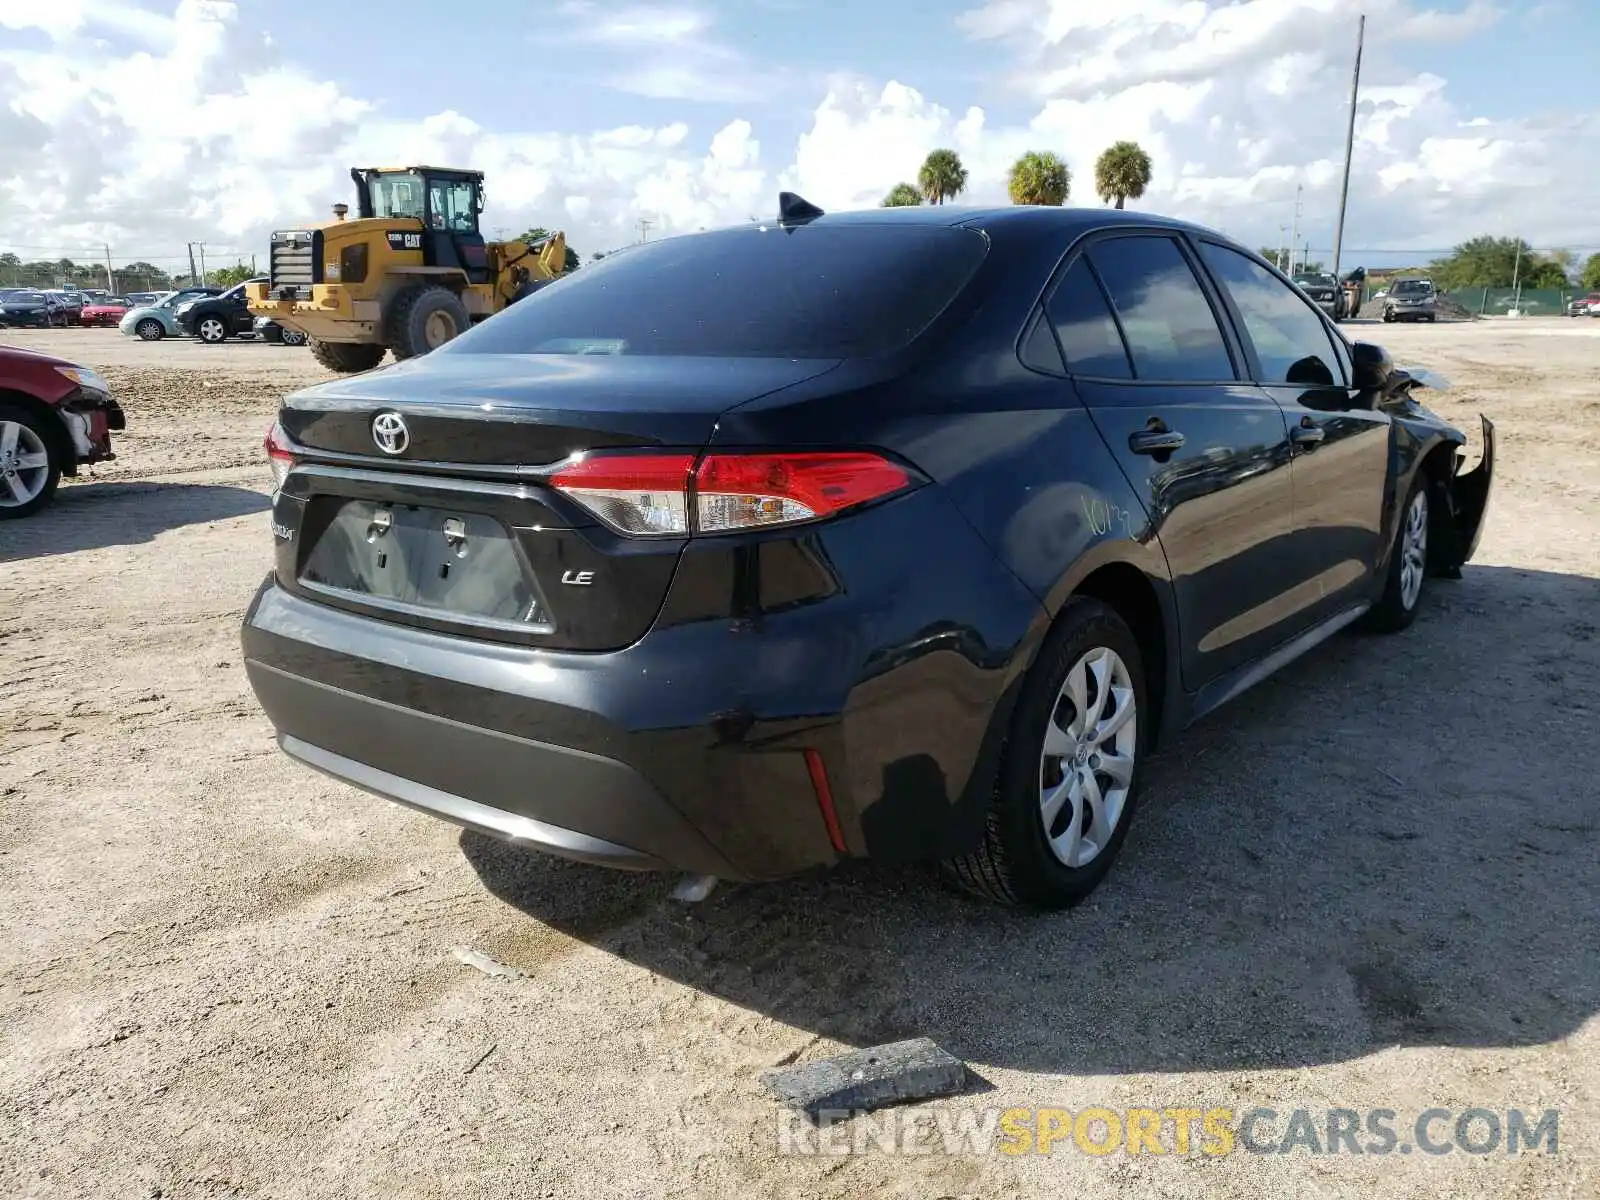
x,y
530,792
689,749
331,313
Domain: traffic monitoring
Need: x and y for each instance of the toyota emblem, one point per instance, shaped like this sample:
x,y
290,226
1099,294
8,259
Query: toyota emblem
x,y
390,433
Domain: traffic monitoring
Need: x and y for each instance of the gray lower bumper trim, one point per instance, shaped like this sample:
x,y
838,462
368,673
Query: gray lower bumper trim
x,y
469,814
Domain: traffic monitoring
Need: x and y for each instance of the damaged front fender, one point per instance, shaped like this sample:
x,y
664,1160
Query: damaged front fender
x,y
1468,495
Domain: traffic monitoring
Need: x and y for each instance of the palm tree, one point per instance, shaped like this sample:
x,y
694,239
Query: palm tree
x,y
1040,178
942,176
902,195
1122,173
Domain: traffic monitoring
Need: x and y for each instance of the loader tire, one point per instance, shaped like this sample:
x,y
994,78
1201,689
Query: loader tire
x,y
346,357
423,318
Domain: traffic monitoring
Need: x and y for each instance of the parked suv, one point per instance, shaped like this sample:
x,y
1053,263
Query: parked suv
x,y
904,534
1324,291
1410,300
214,319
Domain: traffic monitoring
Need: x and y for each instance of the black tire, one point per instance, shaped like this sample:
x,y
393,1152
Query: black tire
x,y
150,330
1388,316
1014,864
212,329
1391,613
28,419
346,357
417,316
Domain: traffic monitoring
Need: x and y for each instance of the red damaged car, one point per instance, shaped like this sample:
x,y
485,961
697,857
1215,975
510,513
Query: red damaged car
x,y
54,416
107,313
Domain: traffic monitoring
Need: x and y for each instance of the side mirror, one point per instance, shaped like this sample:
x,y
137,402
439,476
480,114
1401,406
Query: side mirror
x,y
1371,366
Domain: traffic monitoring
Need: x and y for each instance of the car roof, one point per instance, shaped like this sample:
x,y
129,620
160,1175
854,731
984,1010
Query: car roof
x,y
1000,216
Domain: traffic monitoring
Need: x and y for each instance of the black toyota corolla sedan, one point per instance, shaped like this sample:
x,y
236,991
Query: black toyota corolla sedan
x,y
903,534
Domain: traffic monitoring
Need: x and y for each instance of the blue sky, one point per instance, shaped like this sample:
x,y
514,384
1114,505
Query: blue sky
x,y
1477,115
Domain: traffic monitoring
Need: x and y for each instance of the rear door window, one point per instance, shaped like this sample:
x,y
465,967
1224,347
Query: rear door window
x,y
814,291
1171,330
1083,322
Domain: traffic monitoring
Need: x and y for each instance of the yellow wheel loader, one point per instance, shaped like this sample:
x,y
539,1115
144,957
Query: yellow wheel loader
x,y
409,272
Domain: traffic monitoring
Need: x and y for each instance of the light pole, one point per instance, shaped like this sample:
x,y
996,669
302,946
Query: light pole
x,y
1349,144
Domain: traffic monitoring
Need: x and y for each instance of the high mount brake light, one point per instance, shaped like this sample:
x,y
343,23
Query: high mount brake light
x,y
654,495
279,456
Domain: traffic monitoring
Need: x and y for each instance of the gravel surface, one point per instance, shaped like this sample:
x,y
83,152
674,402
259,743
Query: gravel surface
x,y
1374,881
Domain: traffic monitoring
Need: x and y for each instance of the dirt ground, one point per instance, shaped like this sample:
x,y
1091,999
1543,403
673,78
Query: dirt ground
x,y
1373,881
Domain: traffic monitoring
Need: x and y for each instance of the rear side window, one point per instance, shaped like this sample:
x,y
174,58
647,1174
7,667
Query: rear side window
x,y
815,291
1172,333
1083,322
1290,339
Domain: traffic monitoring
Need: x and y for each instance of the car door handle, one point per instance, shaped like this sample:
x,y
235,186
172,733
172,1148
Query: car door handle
x,y
1308,436
1155,441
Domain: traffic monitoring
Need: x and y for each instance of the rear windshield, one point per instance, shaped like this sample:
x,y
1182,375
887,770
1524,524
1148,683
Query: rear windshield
x,y
808,292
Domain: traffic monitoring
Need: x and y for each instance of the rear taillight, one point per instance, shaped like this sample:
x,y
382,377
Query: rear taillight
x,y
662,495
279,457
643,494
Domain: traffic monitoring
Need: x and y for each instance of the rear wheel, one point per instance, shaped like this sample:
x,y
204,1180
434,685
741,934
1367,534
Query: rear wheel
x,y
292,337
150,330
1070,772
424,318
29,472
346,357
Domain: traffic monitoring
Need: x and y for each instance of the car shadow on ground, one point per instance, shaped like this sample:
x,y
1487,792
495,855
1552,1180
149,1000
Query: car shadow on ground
x,y
88,516
1393,842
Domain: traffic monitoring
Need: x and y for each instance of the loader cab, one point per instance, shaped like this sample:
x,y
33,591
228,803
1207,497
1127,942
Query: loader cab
x,y
446,202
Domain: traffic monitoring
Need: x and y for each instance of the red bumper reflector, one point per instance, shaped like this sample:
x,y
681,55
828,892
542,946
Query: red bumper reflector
x,y
819,783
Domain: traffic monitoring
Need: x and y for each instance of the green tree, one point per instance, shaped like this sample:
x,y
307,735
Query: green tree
x,y
538,233
902,195
226,277
1545,271
1591,273
942,176
1483,262
1040,178
1122,173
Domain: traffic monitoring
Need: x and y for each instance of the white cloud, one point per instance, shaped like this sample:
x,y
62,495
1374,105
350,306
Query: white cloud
x,y
1237,101
667,52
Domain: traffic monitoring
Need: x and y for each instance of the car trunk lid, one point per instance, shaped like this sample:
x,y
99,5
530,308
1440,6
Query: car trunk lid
x,y
445,518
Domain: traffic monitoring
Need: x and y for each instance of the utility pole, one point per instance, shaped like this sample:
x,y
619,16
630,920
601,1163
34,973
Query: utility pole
x,y
192,278
111,284
1349,144
644,228
1294,237
202,246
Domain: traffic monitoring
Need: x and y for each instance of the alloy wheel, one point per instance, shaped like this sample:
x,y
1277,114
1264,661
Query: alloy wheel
x,y
1414,549
1086,767
24,464
211,329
